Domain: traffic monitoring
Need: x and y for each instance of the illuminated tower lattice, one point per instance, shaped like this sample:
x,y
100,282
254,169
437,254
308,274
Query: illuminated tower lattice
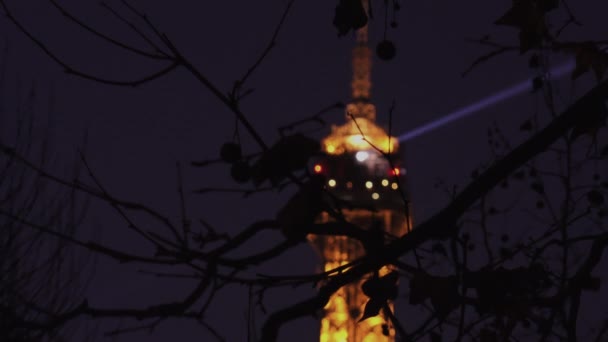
x,y
356,172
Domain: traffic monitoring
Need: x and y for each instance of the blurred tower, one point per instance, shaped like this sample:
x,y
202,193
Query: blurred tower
x,y
358,173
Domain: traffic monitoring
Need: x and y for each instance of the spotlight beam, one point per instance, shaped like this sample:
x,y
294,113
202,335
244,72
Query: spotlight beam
x,y
491,100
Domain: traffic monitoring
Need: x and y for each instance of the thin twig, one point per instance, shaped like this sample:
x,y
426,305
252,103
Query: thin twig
x,y
485,58
182,205
105,37
273,41
134,28
116,206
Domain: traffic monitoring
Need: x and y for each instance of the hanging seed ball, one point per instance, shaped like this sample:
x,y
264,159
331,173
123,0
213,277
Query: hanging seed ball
x,y
386,50
240,171
230,152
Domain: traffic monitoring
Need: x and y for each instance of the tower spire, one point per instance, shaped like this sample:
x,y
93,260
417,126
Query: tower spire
x,y
361,83
362,62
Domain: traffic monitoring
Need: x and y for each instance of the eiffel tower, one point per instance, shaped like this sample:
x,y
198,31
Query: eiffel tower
x,y
358,172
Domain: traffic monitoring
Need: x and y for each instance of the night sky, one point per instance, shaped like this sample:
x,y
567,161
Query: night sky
x,y
135,135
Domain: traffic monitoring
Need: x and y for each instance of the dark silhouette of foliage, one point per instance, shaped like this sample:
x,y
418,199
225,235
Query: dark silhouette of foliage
x,y
350,15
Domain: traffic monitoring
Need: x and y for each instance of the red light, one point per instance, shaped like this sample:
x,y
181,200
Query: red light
x,y
395,172
318,168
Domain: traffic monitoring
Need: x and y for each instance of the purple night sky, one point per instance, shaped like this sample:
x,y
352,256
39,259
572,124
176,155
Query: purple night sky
x,y
135,135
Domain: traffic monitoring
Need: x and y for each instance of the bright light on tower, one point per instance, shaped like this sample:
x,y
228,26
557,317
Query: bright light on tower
x,y
362,156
